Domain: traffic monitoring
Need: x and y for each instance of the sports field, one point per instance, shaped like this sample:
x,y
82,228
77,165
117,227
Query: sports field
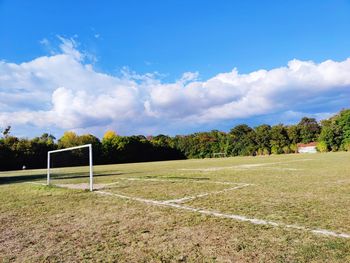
x,y
285,208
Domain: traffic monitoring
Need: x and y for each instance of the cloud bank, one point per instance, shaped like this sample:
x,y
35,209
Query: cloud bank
x,y
66,92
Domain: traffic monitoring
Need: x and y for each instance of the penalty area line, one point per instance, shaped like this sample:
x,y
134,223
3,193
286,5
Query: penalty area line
x,y
242,166
189,198
180,181
255,221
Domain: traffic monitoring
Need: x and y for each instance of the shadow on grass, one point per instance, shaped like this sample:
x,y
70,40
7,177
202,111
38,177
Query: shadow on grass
x,y
36,177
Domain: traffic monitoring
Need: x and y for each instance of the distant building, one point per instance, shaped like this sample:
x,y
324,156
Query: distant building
x,y
307,147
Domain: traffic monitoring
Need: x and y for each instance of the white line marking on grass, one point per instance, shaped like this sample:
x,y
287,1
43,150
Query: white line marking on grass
x,y
329,233
283,168
241,166
147,201
185,199
181,180
254,221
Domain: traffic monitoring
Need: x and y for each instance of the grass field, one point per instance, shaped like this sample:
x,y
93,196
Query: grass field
x,y
286,208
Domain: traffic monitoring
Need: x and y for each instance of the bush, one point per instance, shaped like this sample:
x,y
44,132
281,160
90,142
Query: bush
x,y
263,151
293,148
286,149
266,151
346,146
276,150
322,147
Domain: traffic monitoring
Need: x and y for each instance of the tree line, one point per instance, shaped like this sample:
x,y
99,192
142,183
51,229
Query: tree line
x,y
332,134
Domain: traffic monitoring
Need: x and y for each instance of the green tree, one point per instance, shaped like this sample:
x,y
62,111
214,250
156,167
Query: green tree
x,y
322,147
242,140
343,121
46,138
8,153
309,129
330,135
279,140
6,131
335,131
293,134
262,139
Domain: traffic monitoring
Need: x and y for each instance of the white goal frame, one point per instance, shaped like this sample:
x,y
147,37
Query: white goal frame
x,y
69,149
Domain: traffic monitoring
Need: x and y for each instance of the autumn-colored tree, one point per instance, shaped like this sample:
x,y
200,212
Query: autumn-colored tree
x,y
109,135
241,140
69,139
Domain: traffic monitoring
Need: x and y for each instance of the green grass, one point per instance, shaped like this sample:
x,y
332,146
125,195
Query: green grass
x,y
51,224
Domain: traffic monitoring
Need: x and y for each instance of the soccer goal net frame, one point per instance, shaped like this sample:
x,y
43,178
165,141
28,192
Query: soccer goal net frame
x,y
91,175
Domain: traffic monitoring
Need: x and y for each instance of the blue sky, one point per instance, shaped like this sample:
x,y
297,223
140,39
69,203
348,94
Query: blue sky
x,y
170,66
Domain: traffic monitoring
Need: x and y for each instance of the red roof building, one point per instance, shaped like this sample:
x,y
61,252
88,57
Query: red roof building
x,y
307,147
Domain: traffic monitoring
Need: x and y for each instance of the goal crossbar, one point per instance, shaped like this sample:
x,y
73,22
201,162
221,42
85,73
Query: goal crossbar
x,y
69,149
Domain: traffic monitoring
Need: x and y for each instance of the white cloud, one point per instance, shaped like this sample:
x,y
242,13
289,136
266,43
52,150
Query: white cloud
x,y
69,47
66,92
44,42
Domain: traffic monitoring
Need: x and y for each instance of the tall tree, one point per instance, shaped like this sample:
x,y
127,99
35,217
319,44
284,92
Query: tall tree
x,y
262,139
279,140
335,133
343,122
293,132
309,129
330,136
68,139
243,143
6,131
109,147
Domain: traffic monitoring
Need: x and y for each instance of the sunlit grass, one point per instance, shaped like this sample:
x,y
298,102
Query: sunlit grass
x,y
40,223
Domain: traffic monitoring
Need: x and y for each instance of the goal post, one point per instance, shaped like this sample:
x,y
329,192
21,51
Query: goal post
x,y
70,149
